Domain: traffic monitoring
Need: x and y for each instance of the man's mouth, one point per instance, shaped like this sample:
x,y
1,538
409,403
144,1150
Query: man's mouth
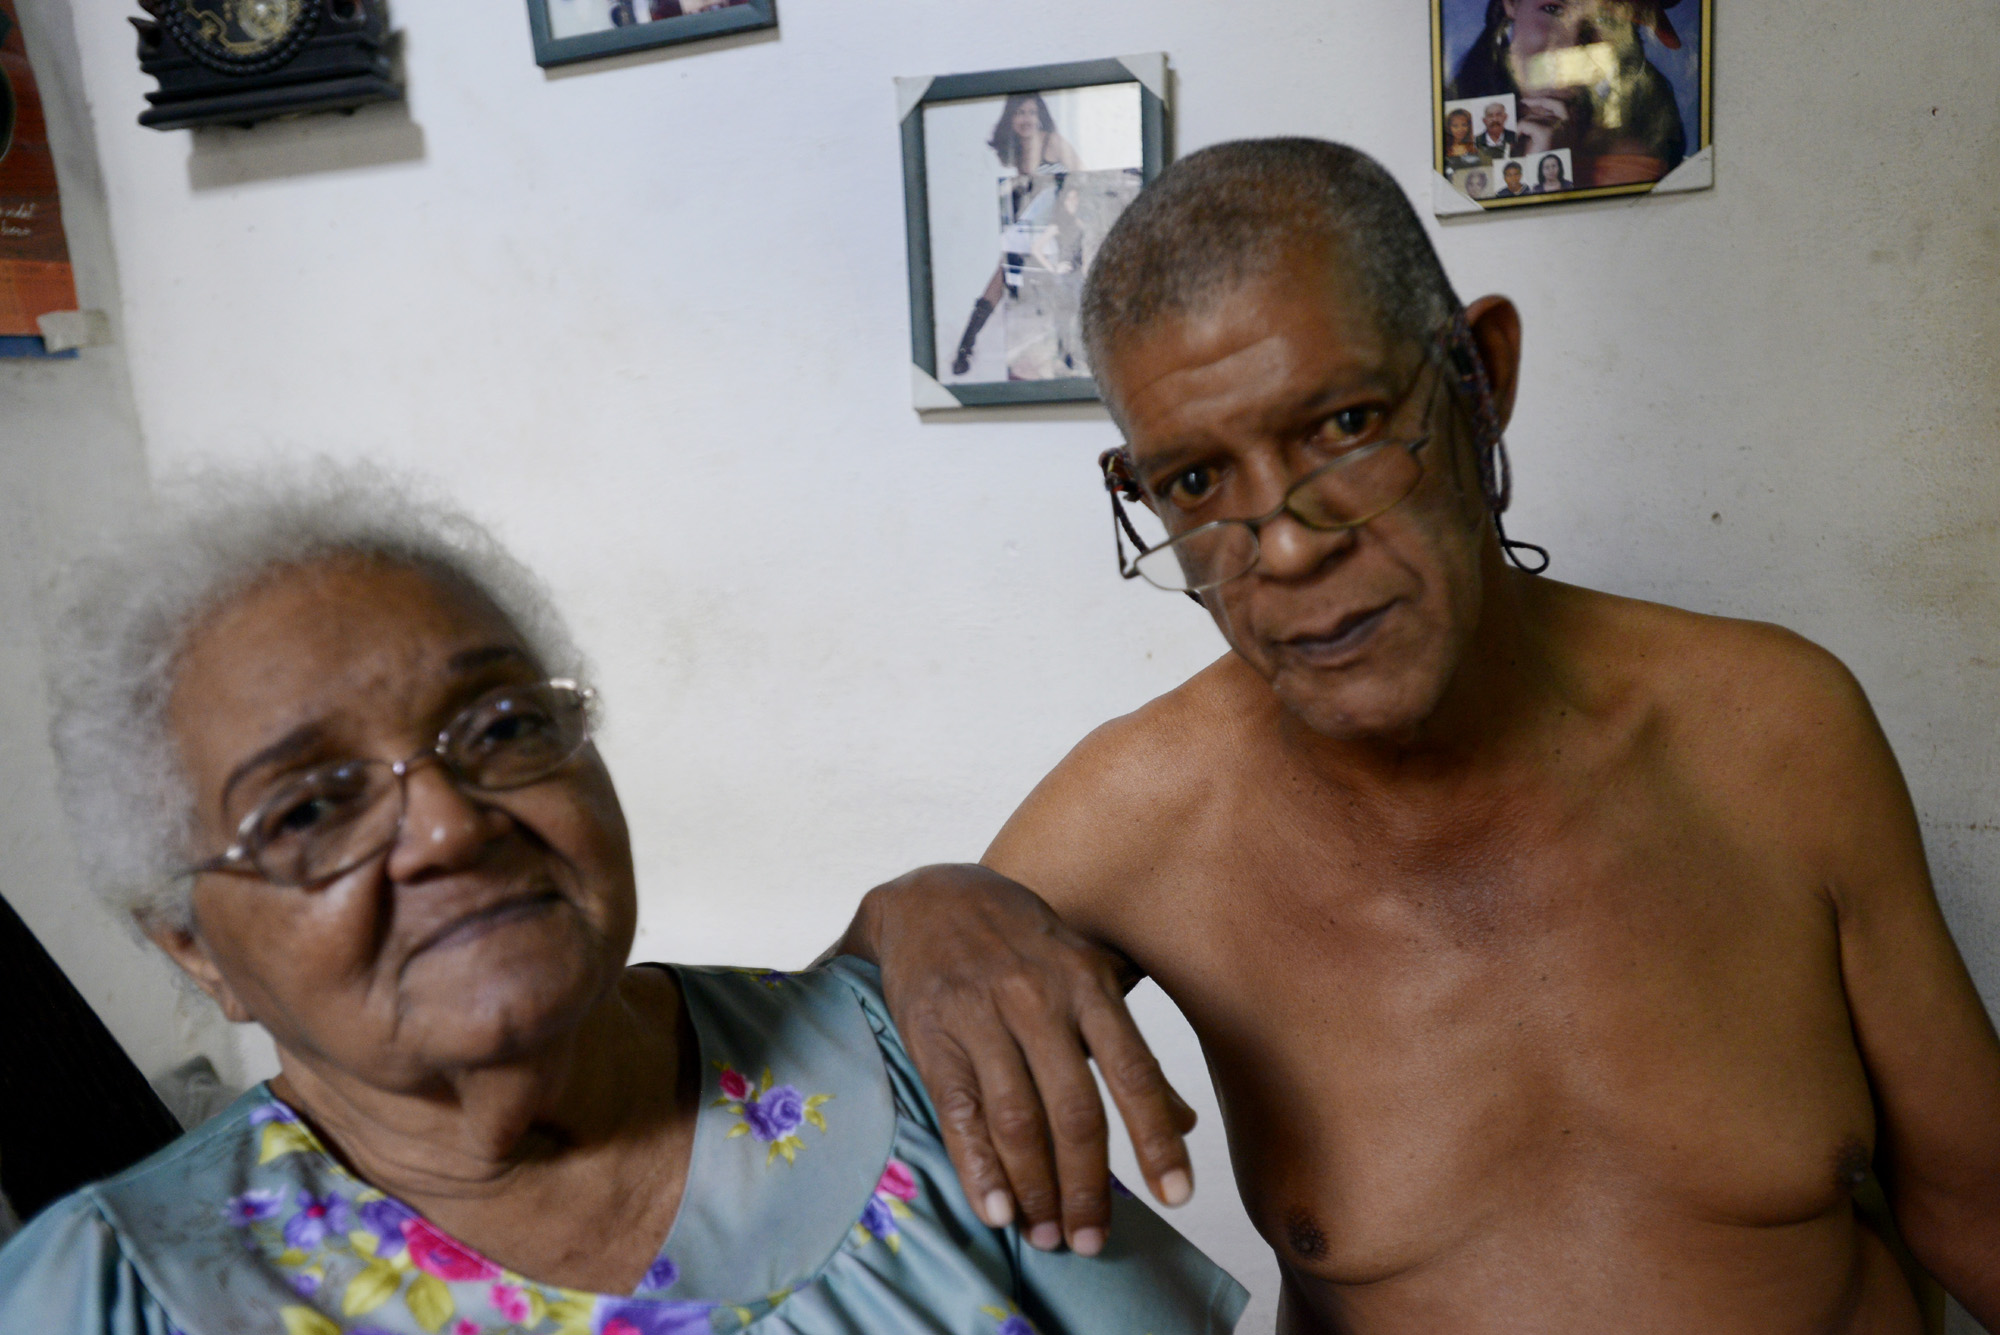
x,y
1342,642
503,912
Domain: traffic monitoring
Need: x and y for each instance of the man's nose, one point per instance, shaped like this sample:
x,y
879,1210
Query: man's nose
x,y
444,829
1287,549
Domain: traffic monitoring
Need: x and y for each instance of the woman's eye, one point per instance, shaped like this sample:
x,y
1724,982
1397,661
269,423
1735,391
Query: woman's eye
x,y
508,729
301,817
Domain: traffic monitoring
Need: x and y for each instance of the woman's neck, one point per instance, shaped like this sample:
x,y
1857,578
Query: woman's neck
x,y
469,1133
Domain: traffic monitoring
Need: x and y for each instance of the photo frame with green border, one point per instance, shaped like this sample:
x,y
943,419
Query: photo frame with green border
x,y
1695,172
553,50
1149,71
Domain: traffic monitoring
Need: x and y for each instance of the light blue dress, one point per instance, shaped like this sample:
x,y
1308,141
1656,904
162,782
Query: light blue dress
x,y
819,1201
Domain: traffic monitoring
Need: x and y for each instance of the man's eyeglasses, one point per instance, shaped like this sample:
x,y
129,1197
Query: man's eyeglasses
x,y
1360,484
334,817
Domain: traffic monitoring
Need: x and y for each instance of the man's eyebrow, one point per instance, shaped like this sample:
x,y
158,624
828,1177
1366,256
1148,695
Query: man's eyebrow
x,y
466,660
296,742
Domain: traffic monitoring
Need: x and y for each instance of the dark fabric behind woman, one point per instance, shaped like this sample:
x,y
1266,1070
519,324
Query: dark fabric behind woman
x,y
73,1107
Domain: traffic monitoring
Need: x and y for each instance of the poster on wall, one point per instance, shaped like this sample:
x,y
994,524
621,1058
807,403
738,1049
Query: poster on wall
x,y
1555,103
35,276
1011,178
567,30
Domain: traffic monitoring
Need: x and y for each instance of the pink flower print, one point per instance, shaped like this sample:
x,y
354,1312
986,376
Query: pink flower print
x,y
734,1087
898,1181
437,1255
512,1302
465,1325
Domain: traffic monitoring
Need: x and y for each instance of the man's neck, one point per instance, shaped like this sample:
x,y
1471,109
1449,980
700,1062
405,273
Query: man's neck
x,y
468,1134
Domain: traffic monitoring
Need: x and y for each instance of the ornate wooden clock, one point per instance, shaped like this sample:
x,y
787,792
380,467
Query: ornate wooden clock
x,y
237,62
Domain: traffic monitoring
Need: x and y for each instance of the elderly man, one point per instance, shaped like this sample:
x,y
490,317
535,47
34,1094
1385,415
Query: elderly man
x,y
1563,962
1496,140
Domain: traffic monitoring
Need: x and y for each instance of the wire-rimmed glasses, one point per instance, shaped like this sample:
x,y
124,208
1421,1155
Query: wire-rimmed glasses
x,y
334,817
1358,485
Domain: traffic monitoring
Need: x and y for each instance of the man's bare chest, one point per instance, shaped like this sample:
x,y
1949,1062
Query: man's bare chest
x,y
1634,1007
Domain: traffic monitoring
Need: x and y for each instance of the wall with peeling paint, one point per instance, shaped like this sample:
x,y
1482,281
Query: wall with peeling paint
x,y
649,317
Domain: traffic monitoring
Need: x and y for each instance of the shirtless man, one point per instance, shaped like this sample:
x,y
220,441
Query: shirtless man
x,y
1563,962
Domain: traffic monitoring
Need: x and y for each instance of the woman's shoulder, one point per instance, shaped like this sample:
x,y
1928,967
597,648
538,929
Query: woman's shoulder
x,y
96,1260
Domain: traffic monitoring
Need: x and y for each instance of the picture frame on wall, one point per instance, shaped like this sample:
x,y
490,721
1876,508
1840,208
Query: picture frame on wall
x,y
1011,178
1532,108
571,30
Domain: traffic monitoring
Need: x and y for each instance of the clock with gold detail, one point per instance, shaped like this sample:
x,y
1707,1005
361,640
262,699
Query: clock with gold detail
x,y
237,62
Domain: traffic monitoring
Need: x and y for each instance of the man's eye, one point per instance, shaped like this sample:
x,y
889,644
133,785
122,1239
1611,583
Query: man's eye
x,y
1190,485
1348,423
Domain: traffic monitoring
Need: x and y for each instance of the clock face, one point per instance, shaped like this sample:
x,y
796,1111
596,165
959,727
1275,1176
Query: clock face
x,y
242,34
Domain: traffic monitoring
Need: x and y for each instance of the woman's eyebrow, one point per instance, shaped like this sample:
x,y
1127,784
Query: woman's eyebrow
x,y
468,660
294,743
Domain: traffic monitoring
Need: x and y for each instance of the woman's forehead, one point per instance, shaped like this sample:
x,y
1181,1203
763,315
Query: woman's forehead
x,y
341,640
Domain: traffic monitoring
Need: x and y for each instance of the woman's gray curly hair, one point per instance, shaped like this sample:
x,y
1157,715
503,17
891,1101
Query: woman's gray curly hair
x,y
124,617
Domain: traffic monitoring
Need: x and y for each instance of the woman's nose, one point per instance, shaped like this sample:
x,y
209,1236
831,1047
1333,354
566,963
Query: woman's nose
x,y
444,829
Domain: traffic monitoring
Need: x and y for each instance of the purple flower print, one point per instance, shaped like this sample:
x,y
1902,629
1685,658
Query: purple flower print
x,y
386,1218
271,1112
663,1274
1120,1189
877,1218
776,1113
635,1316
253,1207
305,1284
1015,1325
317,1217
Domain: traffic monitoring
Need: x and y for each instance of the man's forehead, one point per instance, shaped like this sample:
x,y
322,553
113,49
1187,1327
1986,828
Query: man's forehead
x,y
1248,346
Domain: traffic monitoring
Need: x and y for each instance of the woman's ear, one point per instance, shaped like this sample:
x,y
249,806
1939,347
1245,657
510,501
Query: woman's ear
x,y
184,947
1496,331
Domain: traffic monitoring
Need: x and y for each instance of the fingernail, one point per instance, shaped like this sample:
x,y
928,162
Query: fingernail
x,y
1176,1186
1087,1241
1045,1237
999,1209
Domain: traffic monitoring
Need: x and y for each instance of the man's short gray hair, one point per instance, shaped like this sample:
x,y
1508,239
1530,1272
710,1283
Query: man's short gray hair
x,y
125,616
1234,211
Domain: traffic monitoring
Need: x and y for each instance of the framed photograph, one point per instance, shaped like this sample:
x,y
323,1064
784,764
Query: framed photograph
x,y
567,30
1549,104
1011,178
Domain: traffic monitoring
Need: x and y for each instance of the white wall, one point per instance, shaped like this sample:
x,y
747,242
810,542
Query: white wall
x,y
649,315
71,464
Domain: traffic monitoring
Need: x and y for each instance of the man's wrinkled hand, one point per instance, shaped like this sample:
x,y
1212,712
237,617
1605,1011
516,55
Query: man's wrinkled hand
x,y
1003,1007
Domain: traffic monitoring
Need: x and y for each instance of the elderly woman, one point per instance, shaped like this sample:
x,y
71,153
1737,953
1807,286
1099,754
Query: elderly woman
x,y
331,751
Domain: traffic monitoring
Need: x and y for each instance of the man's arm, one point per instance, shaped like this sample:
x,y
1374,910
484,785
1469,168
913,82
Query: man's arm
x,y
1003,1004
1929,1046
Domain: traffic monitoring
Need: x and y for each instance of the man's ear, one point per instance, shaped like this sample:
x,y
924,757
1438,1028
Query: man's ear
x,y
185,948
1496,330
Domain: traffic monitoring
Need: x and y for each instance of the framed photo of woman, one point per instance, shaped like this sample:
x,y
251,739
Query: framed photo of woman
x,y
567,30
1011,178
1550,103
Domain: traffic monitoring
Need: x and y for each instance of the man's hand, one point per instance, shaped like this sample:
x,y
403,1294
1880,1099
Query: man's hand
x,y
1002,1007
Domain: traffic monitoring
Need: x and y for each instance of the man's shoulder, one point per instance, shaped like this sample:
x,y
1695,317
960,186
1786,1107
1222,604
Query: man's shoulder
x,y
1122,794
1722,686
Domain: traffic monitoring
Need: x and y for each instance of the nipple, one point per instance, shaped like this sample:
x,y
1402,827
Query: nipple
x,y
1304,1236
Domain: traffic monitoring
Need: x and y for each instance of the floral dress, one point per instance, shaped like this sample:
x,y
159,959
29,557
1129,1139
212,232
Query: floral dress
x,y
819,1201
